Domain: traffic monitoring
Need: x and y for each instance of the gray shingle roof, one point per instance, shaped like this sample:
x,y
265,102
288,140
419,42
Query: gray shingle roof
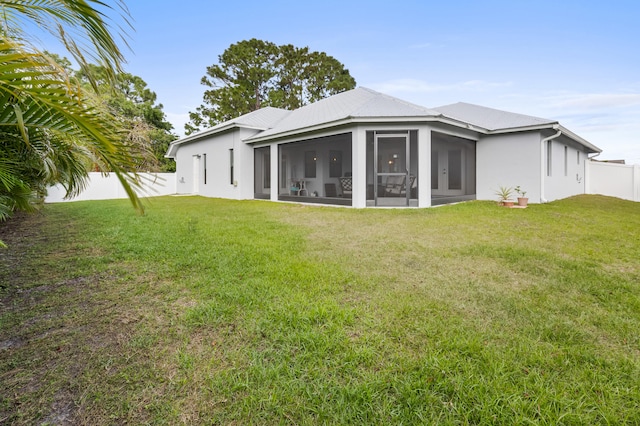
x,y
356,103
489,118
261,119
363,103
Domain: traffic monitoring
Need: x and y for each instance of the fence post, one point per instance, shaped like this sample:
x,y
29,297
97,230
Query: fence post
x,y
636,182
587,176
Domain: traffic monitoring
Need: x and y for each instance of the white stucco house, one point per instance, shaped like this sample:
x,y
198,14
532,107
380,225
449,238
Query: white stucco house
x,y
362,148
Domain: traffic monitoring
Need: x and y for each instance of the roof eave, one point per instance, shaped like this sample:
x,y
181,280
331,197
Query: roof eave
x,y
257,138
338,123
208,133
580,140
523,128
554,125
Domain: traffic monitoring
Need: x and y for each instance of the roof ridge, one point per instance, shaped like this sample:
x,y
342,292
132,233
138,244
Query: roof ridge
x,y
402,101
378,95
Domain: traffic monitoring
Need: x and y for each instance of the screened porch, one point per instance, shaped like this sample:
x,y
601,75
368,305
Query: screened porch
x,y
312,171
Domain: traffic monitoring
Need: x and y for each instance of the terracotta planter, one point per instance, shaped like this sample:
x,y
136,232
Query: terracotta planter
x,y
507,203
522,202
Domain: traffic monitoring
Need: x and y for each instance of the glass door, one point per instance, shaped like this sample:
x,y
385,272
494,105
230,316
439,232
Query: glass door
x,y
447,171
392,186
262,172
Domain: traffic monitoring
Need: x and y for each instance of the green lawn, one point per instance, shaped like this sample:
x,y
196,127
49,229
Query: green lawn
x,y
209,311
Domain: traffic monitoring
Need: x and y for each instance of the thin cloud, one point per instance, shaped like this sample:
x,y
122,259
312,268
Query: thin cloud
x,y
421,46
595,100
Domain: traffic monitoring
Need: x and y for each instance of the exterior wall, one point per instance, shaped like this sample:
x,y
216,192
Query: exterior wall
x,y
108,187
508,160
614,180
564,182
191,168
185,166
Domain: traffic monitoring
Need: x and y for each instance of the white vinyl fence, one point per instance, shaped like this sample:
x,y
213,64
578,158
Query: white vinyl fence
x,y
108,187
615,180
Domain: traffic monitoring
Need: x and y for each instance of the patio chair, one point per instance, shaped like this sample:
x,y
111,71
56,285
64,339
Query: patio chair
x,y
395,185
346,186
298,186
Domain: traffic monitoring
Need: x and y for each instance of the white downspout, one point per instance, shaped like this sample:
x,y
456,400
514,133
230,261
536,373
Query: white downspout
x,y
544,160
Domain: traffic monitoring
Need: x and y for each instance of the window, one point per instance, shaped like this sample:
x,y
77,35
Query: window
x,y
310,164
434,170
231,179
262,172
549,162
283,171
204,156
266,169
335,163
566,160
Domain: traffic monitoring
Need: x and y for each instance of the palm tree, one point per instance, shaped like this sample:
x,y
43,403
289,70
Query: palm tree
x,y
49,133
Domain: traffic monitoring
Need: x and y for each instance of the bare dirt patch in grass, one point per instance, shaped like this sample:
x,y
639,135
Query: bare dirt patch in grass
x,y
55,320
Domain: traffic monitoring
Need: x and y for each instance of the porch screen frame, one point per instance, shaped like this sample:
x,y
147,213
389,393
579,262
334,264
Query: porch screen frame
x,y
407,164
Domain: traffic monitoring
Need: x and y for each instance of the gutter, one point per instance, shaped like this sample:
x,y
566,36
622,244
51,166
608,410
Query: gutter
x,y
543,163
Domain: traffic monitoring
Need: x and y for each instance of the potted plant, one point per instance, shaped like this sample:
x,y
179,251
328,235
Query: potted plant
x,y
504,193
522,200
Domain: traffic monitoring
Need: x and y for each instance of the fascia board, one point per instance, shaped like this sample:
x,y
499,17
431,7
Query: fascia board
x,y
522,129
337,123
580,140
205,134
171,152
440,119
300,131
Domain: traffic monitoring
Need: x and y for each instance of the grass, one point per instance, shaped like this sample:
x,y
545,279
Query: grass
x,y
209,311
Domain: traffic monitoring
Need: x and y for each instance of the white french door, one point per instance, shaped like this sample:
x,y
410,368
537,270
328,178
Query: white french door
x,y
447,171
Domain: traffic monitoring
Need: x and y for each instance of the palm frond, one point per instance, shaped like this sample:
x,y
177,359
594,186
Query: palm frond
x,y
49,133
49,111
72,20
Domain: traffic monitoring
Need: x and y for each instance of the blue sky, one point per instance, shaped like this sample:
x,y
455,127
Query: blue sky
x,y
574,61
